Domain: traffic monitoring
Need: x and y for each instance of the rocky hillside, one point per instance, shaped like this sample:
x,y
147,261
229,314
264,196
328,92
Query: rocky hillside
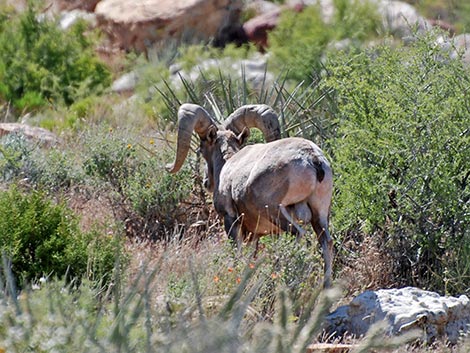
x,y
139,25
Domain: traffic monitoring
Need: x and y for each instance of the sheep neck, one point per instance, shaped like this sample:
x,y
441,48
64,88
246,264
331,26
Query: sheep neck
x,y
219,161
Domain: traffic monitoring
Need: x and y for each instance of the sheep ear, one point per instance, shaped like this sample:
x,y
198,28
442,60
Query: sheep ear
x,y
211,135
243,136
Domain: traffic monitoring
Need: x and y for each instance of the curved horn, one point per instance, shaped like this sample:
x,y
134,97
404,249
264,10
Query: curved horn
x,y
191,117
260,116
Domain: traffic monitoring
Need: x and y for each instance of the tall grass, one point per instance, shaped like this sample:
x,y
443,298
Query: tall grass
x,y
136,316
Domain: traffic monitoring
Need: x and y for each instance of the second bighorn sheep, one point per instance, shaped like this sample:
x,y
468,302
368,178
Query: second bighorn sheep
x,y
263,188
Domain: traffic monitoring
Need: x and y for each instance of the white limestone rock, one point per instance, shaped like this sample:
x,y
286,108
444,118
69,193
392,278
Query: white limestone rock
x,y
403,309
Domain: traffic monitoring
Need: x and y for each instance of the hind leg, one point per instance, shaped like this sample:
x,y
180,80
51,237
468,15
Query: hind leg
x,y
291,223
320,226
233,229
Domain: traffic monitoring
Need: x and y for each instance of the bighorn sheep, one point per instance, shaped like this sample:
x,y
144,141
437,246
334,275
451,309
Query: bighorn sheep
x,y
262,188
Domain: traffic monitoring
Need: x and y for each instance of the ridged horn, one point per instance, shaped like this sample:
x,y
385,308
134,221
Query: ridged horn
x,y
191,117
260,116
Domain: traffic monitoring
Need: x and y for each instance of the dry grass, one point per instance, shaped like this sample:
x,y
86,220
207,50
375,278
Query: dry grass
x,y
92,209
367,266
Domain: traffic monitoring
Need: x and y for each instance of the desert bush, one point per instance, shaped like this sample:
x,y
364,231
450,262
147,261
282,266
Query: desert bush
x,y
401,157
24,160
42,239
299,41
41,64
15,157
56,170
133,170
291,264
303,109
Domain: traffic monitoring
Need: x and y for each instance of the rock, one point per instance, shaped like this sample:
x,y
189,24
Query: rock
x,y
461,47
258,27
68,18
139,24
125,83
69,5
403,309
260,7
457,47
41,135
400,19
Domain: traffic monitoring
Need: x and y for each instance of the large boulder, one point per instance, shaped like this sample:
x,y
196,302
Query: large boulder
x,y
403,309
140,23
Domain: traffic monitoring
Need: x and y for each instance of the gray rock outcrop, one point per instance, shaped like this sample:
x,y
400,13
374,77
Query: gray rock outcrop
x,y
402,310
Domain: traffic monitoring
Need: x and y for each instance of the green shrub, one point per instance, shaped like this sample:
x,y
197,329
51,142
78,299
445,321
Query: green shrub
x,y
109,156
301,39
39,63
139,184
43,239
154,193
298,42
15,157
55,169
23,159
401,157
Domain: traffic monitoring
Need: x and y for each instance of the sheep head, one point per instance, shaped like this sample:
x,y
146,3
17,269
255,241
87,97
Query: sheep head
x,y
219,142
191,117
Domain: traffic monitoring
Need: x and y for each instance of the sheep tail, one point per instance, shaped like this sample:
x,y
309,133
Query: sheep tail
x,y
320,171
